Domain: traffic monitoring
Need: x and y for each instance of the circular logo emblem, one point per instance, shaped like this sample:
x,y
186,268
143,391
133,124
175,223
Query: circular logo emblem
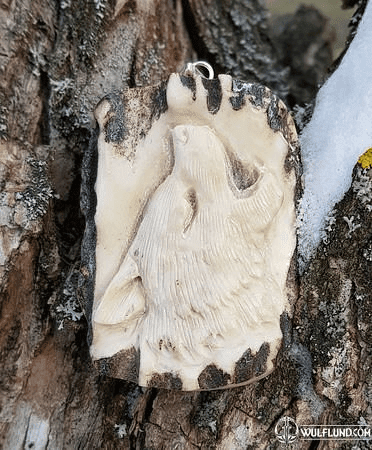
x,y
286,430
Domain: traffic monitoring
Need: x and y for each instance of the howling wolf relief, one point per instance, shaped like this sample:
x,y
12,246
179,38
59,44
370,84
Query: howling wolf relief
x,y
193,232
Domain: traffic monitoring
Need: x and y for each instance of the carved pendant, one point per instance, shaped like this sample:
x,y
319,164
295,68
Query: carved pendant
x,y
188,196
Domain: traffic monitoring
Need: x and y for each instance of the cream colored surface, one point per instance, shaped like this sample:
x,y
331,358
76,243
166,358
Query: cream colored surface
x,y
191,269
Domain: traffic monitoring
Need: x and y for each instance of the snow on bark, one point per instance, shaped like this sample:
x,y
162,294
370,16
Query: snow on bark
x,y
339,132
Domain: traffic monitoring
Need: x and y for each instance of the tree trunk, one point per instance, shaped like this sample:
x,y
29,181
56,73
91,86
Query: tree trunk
x,y
57,60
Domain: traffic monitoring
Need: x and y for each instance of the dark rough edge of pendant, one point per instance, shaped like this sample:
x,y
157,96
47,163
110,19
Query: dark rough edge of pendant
x,y
88,203
278,116
123,365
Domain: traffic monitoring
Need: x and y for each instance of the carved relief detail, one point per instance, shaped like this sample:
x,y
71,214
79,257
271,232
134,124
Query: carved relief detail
x,y
194,232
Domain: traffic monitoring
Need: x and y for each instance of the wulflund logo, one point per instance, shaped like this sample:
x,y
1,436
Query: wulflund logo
x,y
286,430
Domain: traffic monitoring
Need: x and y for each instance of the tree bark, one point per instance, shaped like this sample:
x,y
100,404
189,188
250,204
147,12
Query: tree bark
x,y
57,60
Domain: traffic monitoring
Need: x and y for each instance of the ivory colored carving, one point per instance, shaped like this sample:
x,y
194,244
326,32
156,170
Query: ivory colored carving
x,y
190,239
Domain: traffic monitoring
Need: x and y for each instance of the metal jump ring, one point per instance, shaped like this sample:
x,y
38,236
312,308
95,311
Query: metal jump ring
x,y
192,68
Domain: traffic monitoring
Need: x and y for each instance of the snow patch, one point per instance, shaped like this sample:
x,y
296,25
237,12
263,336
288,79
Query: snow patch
x,y
338,133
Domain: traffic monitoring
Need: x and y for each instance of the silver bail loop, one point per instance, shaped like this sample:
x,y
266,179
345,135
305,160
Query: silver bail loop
x,y
192,69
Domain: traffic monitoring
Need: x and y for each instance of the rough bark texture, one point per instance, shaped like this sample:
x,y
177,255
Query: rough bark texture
x,y
304,42
57,59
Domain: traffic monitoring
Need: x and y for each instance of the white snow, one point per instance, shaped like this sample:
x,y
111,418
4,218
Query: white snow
x,y
338,133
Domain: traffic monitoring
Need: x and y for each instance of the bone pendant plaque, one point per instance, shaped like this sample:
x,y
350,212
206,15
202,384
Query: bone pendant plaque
x,y
188,195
